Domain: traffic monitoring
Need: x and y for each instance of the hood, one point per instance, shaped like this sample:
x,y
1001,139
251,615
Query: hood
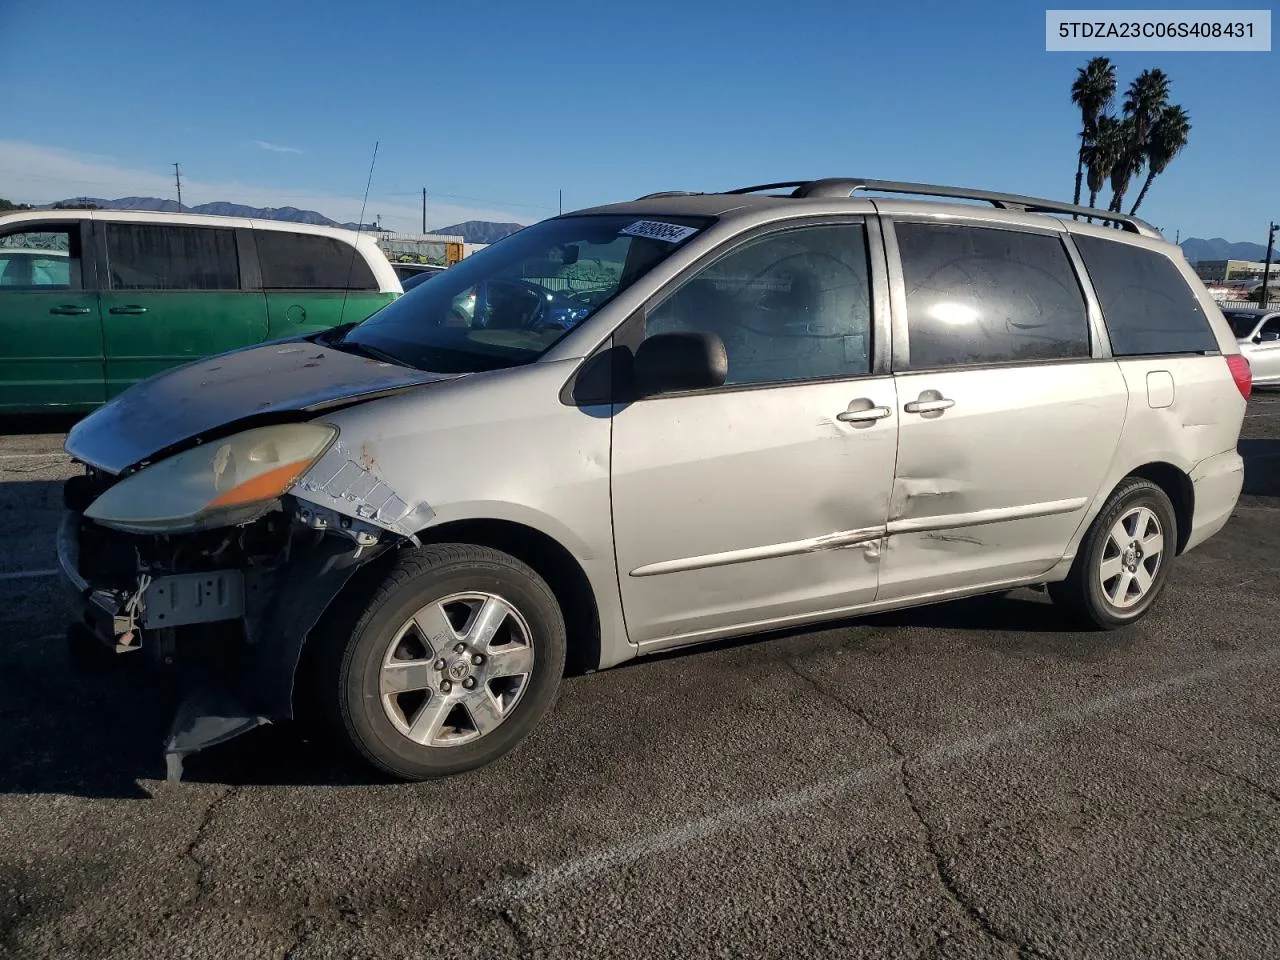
x,y
177,406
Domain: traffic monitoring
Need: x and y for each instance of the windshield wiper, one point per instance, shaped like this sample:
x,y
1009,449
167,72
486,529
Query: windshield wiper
x,y
335,334
363,349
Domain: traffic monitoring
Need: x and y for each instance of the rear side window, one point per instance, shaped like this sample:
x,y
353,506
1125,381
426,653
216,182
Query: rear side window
x,y
300,261
1146,303
984,295
159,256
170,257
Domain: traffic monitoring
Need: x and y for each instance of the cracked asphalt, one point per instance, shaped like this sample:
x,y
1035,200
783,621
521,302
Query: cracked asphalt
x,y
968,780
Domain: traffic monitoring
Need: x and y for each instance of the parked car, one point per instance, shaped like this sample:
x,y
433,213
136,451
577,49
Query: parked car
x,y
792,407
92,301
411,274
411,278
1258,333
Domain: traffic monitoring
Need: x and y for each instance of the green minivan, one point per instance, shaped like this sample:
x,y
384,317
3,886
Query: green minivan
x,y
92,301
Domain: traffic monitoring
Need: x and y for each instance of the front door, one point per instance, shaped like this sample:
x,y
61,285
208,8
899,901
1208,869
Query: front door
x,y
51,356
173,295
762,501
1009,423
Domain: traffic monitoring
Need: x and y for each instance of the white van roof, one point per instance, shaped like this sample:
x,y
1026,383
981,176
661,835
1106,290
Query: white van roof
x,y
366,243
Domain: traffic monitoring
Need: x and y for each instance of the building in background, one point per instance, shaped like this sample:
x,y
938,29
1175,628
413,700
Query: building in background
x,y
1218,271
427,248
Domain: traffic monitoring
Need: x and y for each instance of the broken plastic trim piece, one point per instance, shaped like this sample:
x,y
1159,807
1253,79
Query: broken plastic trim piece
x,y
349,486
205,718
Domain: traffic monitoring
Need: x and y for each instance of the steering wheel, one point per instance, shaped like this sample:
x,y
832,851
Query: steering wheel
x,y
539,295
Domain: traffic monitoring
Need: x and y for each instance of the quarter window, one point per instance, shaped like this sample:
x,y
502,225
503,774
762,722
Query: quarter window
x,y
301,261
43,259
1146,303
161,256
789,306
984,295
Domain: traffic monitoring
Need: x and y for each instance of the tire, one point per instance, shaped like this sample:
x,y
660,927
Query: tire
x,y
1098,601
377,680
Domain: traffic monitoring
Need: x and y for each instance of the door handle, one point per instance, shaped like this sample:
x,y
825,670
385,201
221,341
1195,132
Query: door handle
x,y
928,406
69,310
863,416
131,310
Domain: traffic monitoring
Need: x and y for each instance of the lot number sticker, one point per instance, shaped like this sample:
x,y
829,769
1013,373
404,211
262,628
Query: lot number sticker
x,y
657,230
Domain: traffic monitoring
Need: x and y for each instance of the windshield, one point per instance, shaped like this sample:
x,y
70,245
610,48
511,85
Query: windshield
x,y
1242,324
508,304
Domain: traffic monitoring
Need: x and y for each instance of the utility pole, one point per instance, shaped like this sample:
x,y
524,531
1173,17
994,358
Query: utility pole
x,y
177,176
1264,297
424,210
562,201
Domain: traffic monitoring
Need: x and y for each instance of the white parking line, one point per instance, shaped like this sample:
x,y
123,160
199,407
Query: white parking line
x,y
27,574
572,872
53,454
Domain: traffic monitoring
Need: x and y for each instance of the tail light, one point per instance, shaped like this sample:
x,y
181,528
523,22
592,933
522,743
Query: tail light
x,y
1241,374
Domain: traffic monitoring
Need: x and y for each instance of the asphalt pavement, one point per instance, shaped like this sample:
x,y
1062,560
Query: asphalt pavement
x,y
967,780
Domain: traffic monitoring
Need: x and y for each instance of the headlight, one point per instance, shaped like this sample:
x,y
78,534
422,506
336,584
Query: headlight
x,y
214,484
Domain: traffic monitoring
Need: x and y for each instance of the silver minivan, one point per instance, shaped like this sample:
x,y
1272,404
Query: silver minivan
x,y
655,424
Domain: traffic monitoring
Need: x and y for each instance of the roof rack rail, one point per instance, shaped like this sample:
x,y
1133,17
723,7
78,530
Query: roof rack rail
x,y
847,187
798,184
670,193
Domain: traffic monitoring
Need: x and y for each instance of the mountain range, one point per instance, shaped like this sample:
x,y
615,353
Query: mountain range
x,y
480,231
1219,249
487,231
216,209
472,231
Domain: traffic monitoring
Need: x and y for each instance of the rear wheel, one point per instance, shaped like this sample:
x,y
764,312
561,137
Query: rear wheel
x,y
1123,562
455,658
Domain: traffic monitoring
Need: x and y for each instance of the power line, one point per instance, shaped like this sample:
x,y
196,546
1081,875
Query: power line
x,y
457,196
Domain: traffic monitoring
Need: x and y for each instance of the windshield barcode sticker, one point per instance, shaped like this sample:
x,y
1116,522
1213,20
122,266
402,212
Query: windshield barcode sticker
x,y
657,230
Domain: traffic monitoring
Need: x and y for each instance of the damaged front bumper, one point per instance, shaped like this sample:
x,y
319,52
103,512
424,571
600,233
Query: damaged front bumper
x,y
117,615
241,601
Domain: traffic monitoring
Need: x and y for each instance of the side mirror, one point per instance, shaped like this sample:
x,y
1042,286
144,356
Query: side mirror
x,y
674,362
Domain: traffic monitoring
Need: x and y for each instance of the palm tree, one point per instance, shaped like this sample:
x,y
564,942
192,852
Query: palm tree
x,y
1092,92
1146,97
1102,152
1128,164
1168,137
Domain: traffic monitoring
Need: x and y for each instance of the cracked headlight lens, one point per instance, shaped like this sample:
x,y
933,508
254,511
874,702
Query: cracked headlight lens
x,y
215,484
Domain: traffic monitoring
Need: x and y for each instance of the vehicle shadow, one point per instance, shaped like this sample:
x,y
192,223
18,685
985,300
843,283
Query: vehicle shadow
x,y
1261,466
101,734
37,423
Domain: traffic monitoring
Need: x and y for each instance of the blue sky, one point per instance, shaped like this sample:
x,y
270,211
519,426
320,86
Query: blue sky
x,y
495,106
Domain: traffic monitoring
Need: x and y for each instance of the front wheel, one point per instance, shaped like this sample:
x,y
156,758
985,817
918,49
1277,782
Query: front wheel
x,y
1123,562
457,656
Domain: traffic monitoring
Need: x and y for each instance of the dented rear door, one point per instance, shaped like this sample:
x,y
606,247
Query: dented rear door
x,y
1010,410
